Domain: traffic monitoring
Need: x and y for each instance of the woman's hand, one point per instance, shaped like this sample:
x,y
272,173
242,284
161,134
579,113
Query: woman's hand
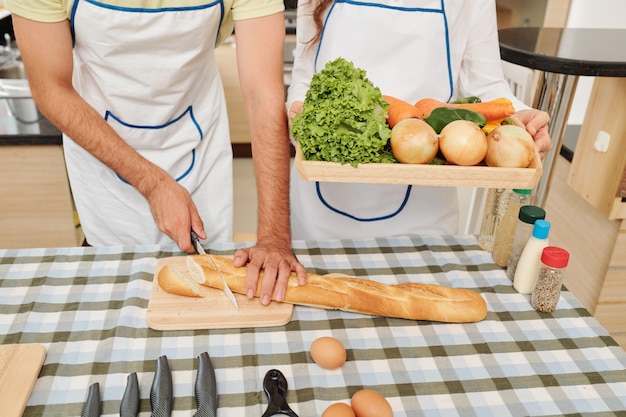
x,y
295,109
536,123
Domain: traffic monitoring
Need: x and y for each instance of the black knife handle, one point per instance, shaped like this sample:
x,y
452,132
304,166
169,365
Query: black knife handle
x,y
205,388
130,401
275,386
93,405
162,391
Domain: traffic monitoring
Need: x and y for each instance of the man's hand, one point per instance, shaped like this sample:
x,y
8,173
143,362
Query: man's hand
x,y
173,210
277,260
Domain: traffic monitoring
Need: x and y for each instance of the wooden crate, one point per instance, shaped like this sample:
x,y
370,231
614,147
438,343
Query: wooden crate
x,y
421,174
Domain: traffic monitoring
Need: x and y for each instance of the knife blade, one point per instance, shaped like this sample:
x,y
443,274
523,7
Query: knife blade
x,y
205,388
196,243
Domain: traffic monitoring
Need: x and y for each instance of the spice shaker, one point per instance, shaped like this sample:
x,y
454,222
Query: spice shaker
x,y
547,290
528,265
495,206
505,233
526,219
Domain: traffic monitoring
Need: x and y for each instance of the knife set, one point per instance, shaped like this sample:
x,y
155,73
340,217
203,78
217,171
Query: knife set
x,y
161,392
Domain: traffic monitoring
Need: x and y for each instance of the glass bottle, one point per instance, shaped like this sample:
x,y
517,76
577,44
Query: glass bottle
x,y
495,206
547,290
527,217
528,265
505,233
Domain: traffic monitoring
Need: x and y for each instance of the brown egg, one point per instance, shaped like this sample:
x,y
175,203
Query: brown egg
x,y
338,410
328,352
369,403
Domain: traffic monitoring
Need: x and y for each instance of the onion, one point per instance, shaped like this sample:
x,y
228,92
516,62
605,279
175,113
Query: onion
x,y
463,143
510,146
413,141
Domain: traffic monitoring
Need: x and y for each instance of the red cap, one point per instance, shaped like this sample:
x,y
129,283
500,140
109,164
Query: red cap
x,y
555,257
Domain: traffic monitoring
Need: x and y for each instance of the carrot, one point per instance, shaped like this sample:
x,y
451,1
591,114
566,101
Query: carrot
x,y
492,110
399,110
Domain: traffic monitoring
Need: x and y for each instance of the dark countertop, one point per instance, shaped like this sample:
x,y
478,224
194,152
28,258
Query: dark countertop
x,y
571,51
22,124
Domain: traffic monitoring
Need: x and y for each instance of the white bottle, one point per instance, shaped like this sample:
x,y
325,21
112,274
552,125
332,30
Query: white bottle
x,y
529,261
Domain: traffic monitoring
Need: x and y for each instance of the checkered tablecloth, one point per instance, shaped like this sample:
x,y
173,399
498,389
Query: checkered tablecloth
x,y
87,306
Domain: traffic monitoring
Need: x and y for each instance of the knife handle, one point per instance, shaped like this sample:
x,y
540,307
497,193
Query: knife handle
x,y
162,391
93,405
130,401
275,386
205,388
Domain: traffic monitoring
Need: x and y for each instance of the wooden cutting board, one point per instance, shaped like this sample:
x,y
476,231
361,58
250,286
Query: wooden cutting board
x,y
19,368
215,311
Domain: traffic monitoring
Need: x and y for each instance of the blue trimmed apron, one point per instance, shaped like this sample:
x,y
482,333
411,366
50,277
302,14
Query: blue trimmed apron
x,y
411,60
153,76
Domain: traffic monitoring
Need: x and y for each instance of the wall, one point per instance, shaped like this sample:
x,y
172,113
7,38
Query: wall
x,y
592,14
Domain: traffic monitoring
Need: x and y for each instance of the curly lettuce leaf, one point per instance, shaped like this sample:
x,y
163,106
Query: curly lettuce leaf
x,y
344,118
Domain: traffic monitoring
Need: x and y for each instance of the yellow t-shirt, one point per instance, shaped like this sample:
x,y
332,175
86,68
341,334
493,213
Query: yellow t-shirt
x,y
59,10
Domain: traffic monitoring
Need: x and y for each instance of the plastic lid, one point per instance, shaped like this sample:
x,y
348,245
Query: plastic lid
x,y
541,229
530,214
554,257
521,191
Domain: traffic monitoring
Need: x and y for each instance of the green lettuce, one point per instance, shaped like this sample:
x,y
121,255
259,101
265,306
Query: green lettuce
x,y
344,118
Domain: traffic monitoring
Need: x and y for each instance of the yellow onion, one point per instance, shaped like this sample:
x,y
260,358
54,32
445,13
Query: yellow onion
x,y
510,146
413,141
463,143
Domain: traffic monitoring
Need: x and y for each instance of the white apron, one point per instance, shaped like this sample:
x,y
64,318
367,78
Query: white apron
x,y
403,46
152,75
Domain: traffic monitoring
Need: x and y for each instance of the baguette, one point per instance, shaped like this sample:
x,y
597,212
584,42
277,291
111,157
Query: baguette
x,y
178,281
409,301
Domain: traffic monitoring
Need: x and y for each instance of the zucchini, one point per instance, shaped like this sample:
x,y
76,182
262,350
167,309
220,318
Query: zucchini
x,y
468,100
441,116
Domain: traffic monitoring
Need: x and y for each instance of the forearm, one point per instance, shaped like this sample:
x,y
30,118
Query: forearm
x,y
85,126
263,93
270,150
47,54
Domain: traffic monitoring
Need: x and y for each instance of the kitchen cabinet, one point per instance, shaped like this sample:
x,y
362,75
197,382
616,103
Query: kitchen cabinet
x,y
598,175
36,207
548,13
226,56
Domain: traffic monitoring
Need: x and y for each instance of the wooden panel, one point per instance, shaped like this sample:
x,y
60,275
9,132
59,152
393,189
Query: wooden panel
x,y
618,259
586,233
36,208
611,316
226,56
596,175
611,308
614,288
557,12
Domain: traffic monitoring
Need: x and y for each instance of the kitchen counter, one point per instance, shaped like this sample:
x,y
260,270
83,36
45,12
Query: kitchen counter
x,y
87,307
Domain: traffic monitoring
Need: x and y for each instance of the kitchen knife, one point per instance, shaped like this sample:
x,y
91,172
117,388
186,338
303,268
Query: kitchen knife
x,y
162,391
196,244
275,386
205,388
92,406
130,401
